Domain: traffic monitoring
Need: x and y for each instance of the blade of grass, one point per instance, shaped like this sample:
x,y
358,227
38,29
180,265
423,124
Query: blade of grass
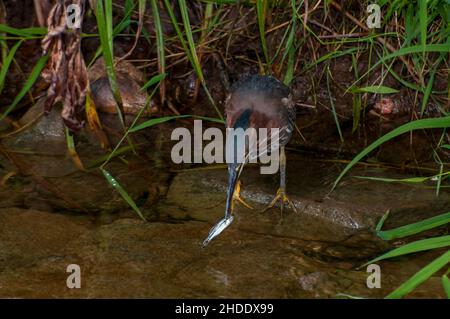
x,y
446,285
427,92
160,48
25,33
193,52
105,28
73,151
27,86
442,122
376,89
261,10
154,80
335,116
357,103
178,30
129,5
420,276
290,47
414,228
116,185
405,51
111,180
416,246
6,63
160,120
410,180
423,24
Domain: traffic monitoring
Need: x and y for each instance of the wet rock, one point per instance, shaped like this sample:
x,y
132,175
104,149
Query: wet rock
x,y
129,258
41,149
129,80
338,225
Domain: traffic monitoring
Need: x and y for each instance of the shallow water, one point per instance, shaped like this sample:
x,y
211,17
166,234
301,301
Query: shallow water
x,y
310,254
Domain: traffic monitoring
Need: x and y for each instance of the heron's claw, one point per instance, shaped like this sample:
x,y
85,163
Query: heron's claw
x,y
282,196
237,196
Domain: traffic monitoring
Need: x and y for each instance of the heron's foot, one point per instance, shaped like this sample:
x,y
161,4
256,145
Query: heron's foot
x,y
237,196
281,196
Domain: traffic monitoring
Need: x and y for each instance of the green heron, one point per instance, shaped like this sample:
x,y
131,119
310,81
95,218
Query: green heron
x,y
257,102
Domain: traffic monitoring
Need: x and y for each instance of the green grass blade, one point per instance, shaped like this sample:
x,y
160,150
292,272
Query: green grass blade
x,y
444,48
416,246
377,89
153,122
442,122
160,120
290,48
411,180
190,39
28,85
333,108
446,284
154,80
427,92
423,23
261,9
160,48
178,30
105,29
415,228
193,52
357,103
115,184
6,63
126,135
420,276
382,220
25,33
331,55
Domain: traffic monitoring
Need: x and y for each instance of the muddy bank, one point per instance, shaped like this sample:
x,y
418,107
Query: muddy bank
x,y
240,48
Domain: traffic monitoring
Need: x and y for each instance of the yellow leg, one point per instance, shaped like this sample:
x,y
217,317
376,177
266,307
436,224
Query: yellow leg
x,y
281,196
237,197
281,193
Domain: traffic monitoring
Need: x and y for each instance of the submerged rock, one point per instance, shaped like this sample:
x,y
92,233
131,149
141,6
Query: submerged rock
x,y
129,258
338,225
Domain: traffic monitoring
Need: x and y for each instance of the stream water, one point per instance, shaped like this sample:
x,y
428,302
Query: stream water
x,y
310,254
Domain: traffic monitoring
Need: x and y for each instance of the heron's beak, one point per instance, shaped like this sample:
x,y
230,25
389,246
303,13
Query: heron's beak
x,y
233,173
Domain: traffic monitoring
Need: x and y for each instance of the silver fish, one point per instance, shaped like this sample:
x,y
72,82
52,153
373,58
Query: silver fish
x,y
217,229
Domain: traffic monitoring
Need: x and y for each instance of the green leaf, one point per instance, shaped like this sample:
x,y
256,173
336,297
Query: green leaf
x,y
423,23
154,80
261,8
379,89
159,46
415,228
160,120
6,63
25,33
442,122
416,246
382,220
427,92
444,48
333,108
27,86
420,276
105,29
115,184
446,284
193,52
